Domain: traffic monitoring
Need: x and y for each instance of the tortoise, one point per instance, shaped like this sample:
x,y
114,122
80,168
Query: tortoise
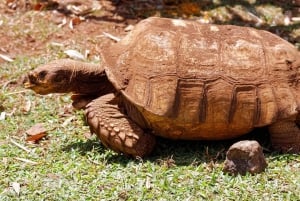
x,y
183,80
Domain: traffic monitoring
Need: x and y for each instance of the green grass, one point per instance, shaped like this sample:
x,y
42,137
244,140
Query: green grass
x,y
72,167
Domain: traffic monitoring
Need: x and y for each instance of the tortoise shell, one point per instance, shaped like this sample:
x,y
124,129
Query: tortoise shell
x,y
199,81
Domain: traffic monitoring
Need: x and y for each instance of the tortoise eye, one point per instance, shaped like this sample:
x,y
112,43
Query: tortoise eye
x,y
42,74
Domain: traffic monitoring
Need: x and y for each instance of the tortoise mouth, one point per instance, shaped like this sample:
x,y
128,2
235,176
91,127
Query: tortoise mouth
x,y
28,85
32,82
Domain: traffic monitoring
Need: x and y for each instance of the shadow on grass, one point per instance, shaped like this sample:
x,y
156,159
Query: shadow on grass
x,y
168,152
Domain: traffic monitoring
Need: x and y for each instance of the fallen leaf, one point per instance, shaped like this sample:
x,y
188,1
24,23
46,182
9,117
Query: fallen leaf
x,y
36,133
63,23
296,19
36,129
87,135
57,44
5,161
27,106
148,181
76,21
117,39
67,121
6,58
129,28
71,24
86,53
35,138
2,116
17,187
189,8
74,54
38,7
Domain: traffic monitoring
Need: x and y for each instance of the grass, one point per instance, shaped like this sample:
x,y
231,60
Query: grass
x,y
67,165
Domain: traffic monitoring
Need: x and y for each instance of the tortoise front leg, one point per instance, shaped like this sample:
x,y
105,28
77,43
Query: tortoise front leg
x,y
285,136
80,101
115,129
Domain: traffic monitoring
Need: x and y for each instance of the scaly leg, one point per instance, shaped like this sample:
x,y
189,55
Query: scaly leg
x,y
116,130
80,101
285,136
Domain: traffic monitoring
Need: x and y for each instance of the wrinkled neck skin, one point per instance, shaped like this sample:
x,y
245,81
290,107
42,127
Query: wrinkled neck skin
x,y
89,79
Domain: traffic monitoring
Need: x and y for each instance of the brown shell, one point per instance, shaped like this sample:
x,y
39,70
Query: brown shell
x,y
200,81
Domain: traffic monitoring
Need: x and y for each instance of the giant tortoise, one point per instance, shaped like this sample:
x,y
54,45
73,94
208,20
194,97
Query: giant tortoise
x,y
183,80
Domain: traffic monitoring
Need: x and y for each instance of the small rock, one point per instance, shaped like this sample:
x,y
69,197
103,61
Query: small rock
x,y
245,156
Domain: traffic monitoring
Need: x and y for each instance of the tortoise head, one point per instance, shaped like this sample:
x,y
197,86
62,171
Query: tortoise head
x,y
65,75
54,77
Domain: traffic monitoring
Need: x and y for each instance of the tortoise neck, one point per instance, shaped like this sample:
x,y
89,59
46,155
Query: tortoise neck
x,y
87,78
91,83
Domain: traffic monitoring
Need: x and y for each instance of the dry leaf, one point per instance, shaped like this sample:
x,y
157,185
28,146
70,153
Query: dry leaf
x,y
148,181
87,135
189,8
57,44
5,161
36,129
296,19
26,108
36,133
63,23
74,54
2,116
35,138
6,58
86,53
17,187
111,36
71,25
67,121
129,28
38,7
76,21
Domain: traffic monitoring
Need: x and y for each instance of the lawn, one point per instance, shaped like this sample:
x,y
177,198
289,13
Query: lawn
x,y
70,164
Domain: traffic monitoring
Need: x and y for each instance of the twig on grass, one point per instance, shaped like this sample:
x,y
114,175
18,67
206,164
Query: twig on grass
x,y
18,92
20,146
26,160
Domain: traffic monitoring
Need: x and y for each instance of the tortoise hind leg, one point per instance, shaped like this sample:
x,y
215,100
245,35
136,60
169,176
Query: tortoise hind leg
x,y
115,129
285,136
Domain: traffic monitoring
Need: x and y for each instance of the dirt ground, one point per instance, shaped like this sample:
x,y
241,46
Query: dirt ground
x,y
29,31
28,27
